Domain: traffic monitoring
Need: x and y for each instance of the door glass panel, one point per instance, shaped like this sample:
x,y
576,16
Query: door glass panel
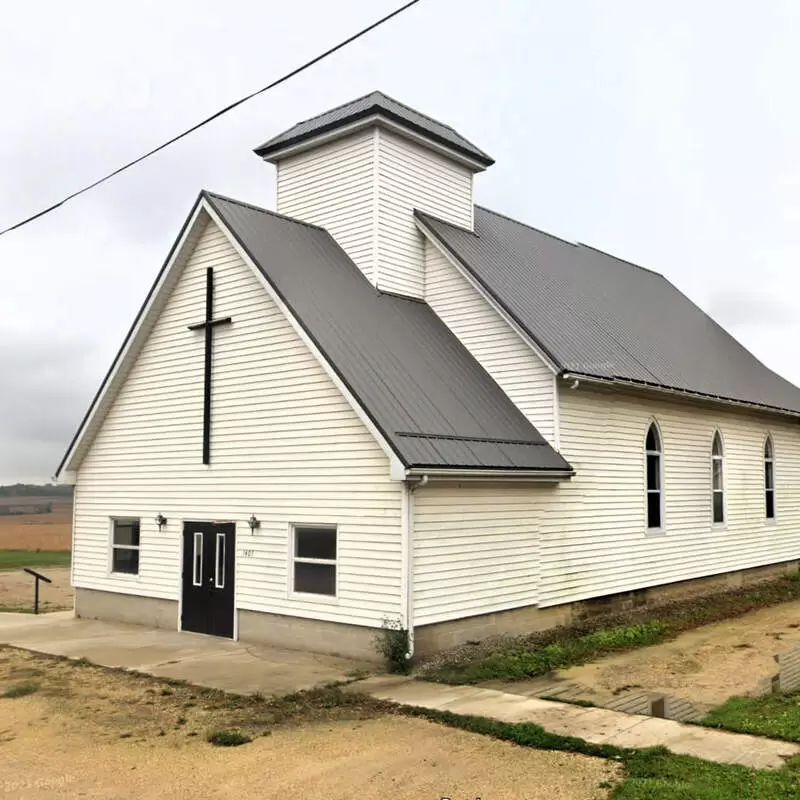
x,y
219,563
197,574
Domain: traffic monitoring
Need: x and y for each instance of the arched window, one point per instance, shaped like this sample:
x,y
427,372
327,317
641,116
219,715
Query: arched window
x,y
769,478
653,455
717,478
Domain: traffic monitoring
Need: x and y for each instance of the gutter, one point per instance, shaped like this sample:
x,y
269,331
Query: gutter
x,y
577,378
466,474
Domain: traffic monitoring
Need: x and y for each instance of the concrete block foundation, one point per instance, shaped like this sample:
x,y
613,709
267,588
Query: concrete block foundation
x,y
357,641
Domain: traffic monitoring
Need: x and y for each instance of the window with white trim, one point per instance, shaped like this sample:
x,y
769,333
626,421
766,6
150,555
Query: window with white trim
x,y
314,561
653,456
125,546
717,479
769,479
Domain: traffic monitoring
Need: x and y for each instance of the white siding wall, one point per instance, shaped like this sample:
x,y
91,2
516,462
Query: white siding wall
x,y
519,372
475,549
411,176
594,539
364,188
335,186
286,447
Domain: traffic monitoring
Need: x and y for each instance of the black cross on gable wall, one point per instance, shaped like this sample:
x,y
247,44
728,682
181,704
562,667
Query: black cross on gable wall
x,y
208,325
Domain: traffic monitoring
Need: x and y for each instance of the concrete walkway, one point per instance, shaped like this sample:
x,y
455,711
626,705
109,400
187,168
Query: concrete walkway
x,y
203,660
596,725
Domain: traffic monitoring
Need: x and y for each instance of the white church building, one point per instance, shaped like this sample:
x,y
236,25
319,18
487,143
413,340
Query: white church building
x,y
387,402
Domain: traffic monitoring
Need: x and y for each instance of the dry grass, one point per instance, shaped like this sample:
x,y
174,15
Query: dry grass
x,y
90,731
38,531
121,703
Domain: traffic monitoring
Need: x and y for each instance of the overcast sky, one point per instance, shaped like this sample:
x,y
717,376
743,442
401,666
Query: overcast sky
x,y
664,133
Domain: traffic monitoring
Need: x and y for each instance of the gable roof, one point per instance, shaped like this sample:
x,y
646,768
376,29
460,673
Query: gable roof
x,y
598,316
367,106
429,398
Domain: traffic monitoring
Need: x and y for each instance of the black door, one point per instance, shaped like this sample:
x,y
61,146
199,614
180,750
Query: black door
x,y
208,573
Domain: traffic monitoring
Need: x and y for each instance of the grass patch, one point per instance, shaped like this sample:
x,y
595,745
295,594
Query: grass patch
x,y
228,738
21,690
17,559
524,662
774,715
515,658
652,774
659,775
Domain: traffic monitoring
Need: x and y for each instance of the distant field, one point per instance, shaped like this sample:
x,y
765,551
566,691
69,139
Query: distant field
x,y
37,531
17,559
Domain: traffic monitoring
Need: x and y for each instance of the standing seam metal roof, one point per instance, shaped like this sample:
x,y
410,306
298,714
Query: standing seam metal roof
x,y
435,405
600,316
374,103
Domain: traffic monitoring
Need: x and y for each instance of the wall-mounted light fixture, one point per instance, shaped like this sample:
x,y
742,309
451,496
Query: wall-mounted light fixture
x,y
254,523
161,521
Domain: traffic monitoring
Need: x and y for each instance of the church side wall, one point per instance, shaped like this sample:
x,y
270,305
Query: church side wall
x,y
285,446
594,539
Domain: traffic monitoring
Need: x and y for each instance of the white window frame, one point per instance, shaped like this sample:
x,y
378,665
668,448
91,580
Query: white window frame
x,y
112,547
770,460
714,491
653,423
312,596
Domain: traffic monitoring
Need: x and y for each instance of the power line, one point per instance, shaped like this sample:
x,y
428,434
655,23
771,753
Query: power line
x,y
214,116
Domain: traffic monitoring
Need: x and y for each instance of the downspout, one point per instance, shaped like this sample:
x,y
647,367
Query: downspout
x,y
407,563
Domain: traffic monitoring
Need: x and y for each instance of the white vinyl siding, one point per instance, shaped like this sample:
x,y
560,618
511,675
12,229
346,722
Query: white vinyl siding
x,y
594,537
285,446
363,190
475,549
334,186
497,347
412,177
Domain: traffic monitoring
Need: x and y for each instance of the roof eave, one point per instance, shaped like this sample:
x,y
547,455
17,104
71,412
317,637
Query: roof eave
x,y
484,474
276,149
630,383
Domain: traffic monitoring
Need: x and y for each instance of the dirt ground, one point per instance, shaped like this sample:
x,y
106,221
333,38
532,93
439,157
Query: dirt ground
x,y
38,531
707,665
91,732
16,590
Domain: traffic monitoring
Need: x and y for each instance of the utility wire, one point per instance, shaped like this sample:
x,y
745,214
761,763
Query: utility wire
x,y
214,116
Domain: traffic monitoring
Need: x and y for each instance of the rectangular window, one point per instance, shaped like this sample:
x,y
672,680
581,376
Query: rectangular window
x,y
197,559
125,546
219,563
315,560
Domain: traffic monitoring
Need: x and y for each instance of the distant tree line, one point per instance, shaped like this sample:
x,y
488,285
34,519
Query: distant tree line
x,y
35,490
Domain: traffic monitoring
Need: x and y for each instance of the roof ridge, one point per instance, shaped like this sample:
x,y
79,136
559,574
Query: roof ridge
x,y
623,260
421,114
252,207
579,245
526,225
330,110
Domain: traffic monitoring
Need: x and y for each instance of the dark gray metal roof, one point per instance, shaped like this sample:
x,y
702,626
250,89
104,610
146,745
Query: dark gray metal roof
x,y
434,404
597,315
374,103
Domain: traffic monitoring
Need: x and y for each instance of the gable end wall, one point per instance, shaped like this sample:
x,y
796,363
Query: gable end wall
x,y
286,446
